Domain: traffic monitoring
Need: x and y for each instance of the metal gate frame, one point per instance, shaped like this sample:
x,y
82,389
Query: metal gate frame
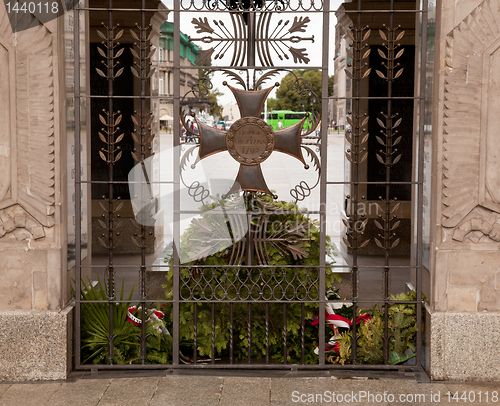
x,y
111,155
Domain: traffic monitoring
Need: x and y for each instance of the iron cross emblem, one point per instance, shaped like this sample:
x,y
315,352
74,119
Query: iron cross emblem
x,y
250,140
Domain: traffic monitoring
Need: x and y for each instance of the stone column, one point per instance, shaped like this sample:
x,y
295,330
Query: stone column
x,y
33,293
463,327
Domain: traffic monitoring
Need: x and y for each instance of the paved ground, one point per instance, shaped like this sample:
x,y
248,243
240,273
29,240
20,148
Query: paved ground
x,y
160,388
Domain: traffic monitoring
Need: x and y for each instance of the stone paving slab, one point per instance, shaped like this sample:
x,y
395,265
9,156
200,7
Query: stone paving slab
x,y
357,392
290,391
130,392
206,390
188,391
84,392
29,394
3,388
239,391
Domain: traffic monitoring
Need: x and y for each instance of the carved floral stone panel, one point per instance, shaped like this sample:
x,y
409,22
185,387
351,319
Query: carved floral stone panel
x,y
471,150
27,159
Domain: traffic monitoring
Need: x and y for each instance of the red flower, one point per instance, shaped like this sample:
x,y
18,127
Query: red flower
x,y
338,321
334,320
364,318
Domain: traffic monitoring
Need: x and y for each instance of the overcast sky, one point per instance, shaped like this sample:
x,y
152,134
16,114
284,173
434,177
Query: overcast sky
x,y
314,50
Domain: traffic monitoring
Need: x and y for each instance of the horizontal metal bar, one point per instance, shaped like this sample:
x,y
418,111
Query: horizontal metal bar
x,y
208,10
263,367
374,183
123,182
376,98
167,182
152,267
382,11
126,301
280,301
97,96
259,68
155,10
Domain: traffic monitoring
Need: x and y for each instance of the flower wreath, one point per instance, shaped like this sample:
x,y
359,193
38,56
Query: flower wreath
x,y
153,314
336,321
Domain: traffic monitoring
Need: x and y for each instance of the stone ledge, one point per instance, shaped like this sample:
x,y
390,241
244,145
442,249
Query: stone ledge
x,y
463,346
35,345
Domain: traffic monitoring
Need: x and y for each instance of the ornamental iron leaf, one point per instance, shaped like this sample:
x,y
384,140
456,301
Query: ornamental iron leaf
x,y
202,25
299,55
299,24
393,52
269,39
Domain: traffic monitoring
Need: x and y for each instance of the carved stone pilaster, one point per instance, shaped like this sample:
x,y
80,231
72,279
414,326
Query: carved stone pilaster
x,y
471,151
30,183
27,160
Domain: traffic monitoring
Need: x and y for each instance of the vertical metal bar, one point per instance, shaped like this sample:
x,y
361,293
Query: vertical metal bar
x,y
143,132
110,118
176,161
267,332
251,37
231,333
388,164
420,178
213,333
78,180
285,349
323,188
249,332
303,335
355,192
250,233
195,332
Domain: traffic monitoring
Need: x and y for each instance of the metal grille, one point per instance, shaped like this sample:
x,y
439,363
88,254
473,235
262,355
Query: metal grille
x,y
234,307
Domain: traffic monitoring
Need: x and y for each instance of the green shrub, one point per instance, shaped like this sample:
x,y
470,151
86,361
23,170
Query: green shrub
x,y
402,328
126,343
301,247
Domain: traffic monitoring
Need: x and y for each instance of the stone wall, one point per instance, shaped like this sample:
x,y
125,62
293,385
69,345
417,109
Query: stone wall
x,y
32,235
465,261
468,176
36,345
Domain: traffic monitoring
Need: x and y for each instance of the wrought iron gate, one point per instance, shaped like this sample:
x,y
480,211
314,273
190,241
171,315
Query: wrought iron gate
x,y
252,278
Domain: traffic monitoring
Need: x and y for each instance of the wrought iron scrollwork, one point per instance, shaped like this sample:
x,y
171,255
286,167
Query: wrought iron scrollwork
x,y
280,42
246,6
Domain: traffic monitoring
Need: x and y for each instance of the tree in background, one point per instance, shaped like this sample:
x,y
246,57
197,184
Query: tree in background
x,y
288,98
212,97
